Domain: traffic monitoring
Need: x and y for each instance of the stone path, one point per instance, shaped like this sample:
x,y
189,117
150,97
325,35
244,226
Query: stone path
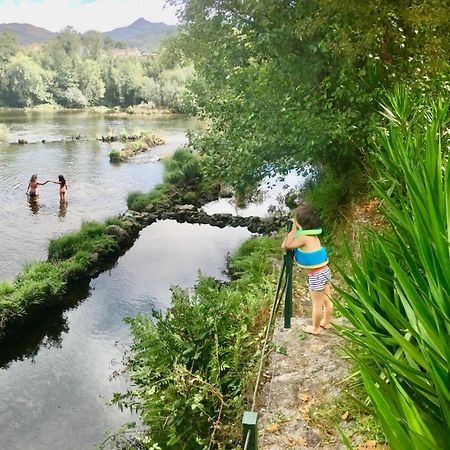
x,y
302,371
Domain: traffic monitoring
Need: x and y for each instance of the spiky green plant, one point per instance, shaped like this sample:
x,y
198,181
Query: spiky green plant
x,y
398,295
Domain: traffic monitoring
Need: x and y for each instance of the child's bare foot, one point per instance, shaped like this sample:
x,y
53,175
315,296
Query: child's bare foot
x,y
327,326
311,330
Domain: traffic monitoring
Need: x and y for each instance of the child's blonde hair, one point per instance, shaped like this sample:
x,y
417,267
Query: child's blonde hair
x,y
33,177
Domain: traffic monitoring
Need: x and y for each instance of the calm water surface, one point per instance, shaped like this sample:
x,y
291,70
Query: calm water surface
x,y
97,188
55,382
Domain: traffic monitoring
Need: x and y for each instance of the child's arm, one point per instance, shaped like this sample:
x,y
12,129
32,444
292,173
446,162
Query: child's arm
x,y
290,241
42,184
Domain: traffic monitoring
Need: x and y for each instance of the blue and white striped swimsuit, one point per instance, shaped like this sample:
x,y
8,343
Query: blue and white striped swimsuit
x,y
317,279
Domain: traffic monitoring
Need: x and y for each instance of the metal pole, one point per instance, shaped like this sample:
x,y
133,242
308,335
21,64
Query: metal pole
x,y
288,261
250,425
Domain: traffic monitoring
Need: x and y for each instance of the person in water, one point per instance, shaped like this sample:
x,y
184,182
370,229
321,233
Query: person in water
x,y
33,186
312,256
62,187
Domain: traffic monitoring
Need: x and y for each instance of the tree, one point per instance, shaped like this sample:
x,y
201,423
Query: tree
x,y
9,46
24,82
289,83
90,82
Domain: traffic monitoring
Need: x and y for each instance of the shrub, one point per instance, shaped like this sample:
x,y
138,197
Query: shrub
x,y
182,169
137,201
196,363
115,155
329,193
190,197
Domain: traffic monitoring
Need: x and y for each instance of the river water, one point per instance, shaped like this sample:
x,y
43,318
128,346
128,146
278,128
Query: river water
x,y
97,188
57,377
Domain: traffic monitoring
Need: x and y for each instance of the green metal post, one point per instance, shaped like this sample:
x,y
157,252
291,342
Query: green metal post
x,y
250,424
288,261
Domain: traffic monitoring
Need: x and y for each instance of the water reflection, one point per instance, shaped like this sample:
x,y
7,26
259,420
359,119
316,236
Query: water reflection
x,y
45,333
33,204
62,208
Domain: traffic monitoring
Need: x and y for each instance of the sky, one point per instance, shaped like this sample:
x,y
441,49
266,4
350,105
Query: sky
x,y
83,15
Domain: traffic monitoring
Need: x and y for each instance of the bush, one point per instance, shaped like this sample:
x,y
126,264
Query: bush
x,y
196,363
115,155
137,201
190,197
329,193
182,169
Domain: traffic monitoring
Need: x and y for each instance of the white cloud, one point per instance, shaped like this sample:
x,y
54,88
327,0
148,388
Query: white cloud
x,y
101,15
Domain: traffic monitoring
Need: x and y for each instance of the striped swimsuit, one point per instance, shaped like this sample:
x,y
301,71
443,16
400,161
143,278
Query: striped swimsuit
x,y
318,278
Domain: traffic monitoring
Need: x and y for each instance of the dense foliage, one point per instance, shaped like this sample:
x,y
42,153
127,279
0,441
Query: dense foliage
x,y
77,71
290,82
193,367
398,294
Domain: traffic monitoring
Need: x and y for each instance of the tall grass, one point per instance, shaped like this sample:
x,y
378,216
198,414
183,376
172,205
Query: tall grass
x,y
92,238
398,296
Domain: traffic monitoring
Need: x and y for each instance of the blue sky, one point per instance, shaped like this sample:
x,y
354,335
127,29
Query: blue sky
x,y
83,15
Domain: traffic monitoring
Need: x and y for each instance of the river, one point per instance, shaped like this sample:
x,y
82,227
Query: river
x,y
97,188
58,375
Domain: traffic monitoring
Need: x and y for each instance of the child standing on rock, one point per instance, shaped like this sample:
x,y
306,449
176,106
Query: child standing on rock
x,y
312,256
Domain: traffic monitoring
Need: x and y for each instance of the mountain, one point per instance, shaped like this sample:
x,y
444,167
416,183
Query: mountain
x,y
27,34
142,34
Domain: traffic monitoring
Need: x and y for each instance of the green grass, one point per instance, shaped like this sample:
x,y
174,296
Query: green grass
x,y
70,258
183,183
6,287
91,238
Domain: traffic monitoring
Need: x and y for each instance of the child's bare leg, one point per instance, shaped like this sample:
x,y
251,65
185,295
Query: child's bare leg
x,y
317,305
327,308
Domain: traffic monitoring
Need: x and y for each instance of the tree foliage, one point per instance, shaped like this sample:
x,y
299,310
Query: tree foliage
x,y
289,82
76,71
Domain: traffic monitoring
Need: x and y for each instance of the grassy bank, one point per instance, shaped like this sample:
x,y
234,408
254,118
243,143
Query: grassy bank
x,y
194,366
183,183
140,142
71,258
